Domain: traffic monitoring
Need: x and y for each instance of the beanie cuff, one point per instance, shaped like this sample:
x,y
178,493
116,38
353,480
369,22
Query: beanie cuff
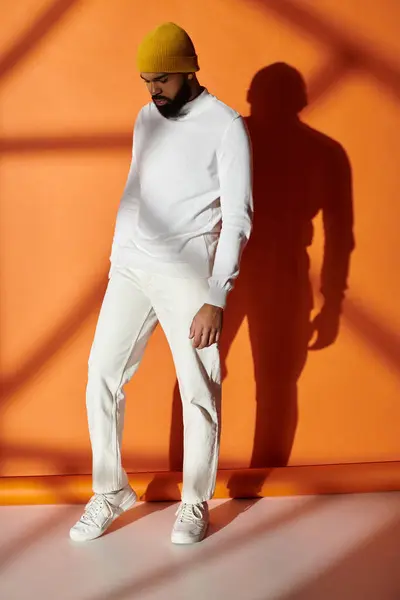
x,y
168,64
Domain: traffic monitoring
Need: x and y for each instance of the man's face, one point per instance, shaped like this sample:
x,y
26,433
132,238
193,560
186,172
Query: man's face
x,y
169,92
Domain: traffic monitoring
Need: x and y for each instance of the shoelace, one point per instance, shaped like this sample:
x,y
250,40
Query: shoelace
x,y
93,508
190,513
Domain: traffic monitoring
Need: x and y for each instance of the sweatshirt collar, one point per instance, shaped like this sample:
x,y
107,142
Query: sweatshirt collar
x,y
197,104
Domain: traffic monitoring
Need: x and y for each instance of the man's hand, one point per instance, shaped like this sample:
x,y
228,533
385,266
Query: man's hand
x,y
206,326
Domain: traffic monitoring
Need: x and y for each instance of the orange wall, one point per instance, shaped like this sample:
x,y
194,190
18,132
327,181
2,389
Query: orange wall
x,y
69,96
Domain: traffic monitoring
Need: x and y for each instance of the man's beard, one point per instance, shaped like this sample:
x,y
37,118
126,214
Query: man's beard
x,y
173,108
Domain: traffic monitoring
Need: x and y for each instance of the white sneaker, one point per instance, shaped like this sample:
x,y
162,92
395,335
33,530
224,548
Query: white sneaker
x,y
191,525
100,512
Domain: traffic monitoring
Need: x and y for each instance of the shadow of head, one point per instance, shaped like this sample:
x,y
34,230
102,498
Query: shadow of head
x,y
277,92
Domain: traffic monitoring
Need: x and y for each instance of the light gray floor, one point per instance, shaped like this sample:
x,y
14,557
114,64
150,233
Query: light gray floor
x,y
306,548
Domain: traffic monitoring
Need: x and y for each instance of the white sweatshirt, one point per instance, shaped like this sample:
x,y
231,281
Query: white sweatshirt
x,y
187,206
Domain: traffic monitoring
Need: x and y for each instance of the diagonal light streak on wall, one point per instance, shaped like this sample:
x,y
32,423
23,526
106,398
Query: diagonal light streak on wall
x,y
34,35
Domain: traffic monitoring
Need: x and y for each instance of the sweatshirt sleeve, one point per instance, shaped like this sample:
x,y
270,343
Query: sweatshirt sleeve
x,y
235,176
129,203
130,196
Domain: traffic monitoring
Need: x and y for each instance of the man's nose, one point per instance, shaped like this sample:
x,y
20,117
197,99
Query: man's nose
x,y
154,89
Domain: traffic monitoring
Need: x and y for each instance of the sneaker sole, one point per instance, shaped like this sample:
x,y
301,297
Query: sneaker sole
x,y
125,506
186,541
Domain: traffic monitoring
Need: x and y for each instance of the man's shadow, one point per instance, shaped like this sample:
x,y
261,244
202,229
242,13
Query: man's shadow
x,y
298,172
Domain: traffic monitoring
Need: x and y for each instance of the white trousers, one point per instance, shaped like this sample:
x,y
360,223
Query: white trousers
x,y
133,305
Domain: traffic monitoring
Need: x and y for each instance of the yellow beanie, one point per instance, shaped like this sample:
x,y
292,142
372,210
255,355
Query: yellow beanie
x,y
167,49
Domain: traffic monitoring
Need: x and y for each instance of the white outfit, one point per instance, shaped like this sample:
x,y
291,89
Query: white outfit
x,y
183,221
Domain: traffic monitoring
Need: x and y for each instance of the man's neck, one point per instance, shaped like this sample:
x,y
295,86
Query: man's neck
x,y
197,89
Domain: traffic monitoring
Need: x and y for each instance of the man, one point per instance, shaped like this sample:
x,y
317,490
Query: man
x,y
184,219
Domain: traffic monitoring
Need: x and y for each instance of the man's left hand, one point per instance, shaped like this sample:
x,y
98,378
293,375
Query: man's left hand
x,y
206,326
